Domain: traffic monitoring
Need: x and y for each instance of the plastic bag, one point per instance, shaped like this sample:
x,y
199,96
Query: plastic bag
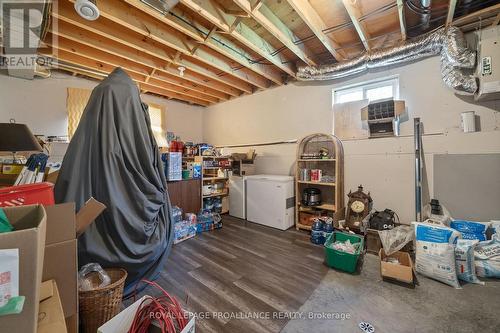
x,y
435,252
464,259
85,283
395,239
471,229
346,246
487,258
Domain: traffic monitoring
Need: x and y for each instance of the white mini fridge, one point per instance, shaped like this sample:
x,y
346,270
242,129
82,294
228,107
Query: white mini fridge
x,y
270,200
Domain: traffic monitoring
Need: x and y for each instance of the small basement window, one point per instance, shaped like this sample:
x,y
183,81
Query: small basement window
x,y
372,91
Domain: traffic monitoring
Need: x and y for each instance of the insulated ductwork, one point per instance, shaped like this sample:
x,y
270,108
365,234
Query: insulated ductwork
x,y
456,60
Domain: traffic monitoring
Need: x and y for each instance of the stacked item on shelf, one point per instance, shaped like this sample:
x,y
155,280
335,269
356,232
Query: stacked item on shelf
x,y
207,221
183,228
216,171
319,179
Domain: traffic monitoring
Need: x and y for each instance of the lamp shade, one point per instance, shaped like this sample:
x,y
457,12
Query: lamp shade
x,y
17,137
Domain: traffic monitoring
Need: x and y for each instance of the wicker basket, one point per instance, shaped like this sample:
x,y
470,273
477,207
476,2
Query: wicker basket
x,y
100,305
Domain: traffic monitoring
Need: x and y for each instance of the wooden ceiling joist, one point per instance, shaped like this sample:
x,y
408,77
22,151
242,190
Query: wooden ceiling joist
x,y
310,17
272,23
480,15
242,33
496,21
209,76
354,15
130,66
127,17
402,21
189,80
180,21
91,64
451,12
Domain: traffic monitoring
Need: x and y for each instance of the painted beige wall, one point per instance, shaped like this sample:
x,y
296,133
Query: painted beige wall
x,y
41,104
384,166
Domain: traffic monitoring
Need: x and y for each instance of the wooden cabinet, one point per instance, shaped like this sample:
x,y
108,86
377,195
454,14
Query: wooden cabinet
x,y
186,194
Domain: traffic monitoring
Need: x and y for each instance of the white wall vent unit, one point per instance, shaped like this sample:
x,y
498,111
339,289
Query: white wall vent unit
x,y
270,200
488,67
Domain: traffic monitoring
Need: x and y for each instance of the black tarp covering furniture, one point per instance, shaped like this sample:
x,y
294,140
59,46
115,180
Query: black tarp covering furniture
x,y
114,158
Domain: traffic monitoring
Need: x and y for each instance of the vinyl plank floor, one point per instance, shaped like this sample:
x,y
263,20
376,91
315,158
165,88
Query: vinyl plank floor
x,y
241,278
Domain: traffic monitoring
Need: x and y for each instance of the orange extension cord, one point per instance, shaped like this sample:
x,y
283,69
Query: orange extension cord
x,y
165,310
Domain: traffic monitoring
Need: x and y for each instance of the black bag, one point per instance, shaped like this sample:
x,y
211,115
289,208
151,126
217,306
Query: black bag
x,y
382,220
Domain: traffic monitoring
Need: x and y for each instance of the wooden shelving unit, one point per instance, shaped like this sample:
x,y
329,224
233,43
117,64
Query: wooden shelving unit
x,y
210,176
332,167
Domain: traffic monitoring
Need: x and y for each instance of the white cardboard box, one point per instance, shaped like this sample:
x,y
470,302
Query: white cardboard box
x,y
121,322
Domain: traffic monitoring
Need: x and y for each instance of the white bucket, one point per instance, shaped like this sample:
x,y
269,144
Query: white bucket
x,y
468,121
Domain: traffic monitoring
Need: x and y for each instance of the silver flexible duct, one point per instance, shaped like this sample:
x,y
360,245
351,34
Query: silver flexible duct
x,y
456,60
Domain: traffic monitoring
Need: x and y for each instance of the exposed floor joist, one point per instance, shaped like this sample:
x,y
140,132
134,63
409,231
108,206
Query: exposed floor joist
x,y
265,17
354,15
242,33
209,51
402,21
93,65
451,12
103,57
97,43
178,20
479,15
310,17
141,23
497,20
135,41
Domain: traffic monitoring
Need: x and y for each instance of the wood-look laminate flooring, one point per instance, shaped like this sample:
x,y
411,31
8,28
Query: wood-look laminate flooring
x,y
243,270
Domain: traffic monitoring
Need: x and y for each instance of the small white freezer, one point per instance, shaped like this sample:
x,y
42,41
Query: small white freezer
x,y
270,200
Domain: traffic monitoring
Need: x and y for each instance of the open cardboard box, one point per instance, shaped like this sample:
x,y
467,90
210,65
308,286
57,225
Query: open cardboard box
x,y
28,237
60,262
402,272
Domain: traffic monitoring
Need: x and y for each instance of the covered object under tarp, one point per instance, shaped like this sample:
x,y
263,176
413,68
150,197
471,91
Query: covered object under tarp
x,y
114,158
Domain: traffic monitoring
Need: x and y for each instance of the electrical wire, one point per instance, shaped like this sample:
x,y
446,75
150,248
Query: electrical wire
x,y
164,310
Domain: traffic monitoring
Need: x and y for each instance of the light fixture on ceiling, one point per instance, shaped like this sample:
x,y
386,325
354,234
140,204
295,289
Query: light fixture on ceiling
x,y
87,9
181,70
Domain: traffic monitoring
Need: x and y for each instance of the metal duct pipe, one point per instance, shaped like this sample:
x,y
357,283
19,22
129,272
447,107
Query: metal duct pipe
x,y
450,43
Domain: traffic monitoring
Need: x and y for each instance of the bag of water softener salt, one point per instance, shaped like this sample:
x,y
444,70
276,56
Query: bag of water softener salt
x,y
464,258
487,258
471,229
435,252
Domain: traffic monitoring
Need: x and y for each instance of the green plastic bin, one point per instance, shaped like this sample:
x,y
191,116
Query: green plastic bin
x,y
340,260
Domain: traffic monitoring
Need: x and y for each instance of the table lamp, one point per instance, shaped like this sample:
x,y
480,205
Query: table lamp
x,y
17,137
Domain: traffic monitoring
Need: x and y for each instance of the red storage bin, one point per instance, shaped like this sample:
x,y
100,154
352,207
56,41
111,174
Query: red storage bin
x,y
29,194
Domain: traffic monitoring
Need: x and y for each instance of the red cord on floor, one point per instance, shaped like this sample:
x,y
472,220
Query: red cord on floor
x,y
165,310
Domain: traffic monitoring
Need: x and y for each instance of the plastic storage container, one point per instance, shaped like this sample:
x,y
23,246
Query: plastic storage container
x,y
29,194
341,260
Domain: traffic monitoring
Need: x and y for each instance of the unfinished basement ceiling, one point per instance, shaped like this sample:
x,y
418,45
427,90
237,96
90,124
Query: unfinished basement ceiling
x,y
230,48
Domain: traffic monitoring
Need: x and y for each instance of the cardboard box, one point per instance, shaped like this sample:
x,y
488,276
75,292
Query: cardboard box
x,y
60,262
29,224
50,313
121,322
61,252
402,271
